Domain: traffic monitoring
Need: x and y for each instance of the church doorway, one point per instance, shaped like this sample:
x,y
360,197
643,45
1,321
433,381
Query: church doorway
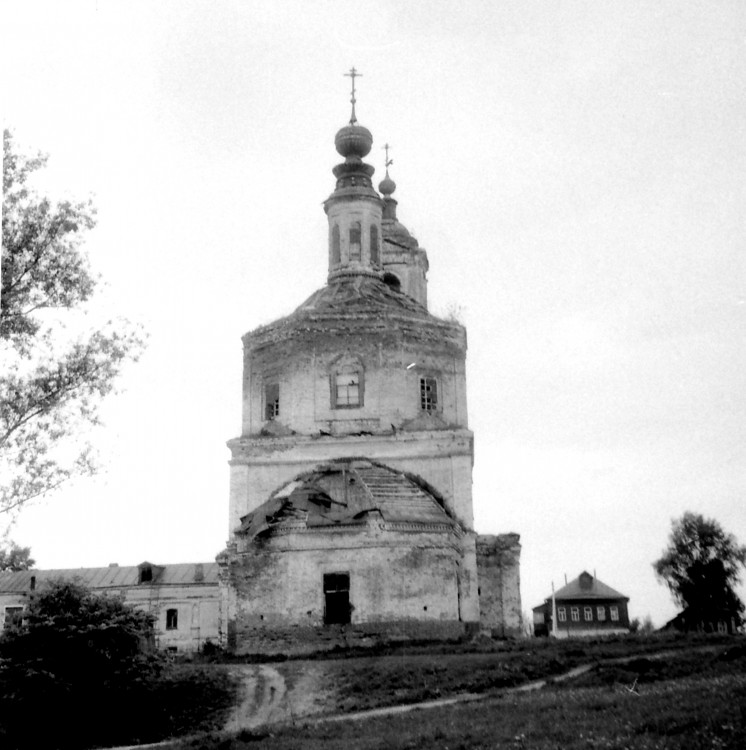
x,y
336,598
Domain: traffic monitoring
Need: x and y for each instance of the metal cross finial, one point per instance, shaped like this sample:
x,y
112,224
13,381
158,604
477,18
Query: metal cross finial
x,y
388,161
353,74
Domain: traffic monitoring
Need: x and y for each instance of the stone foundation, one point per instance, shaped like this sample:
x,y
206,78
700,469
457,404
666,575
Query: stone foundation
x,y
303,640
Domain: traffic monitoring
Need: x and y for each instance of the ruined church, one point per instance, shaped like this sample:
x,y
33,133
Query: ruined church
x,y
351,515
350,491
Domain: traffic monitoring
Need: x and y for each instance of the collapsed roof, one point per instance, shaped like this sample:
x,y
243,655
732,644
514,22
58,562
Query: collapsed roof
x,y
348,492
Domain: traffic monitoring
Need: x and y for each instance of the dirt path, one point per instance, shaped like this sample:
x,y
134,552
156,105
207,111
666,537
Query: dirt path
x,y
261,697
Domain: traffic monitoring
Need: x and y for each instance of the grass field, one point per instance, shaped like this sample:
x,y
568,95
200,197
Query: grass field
x,y
665,694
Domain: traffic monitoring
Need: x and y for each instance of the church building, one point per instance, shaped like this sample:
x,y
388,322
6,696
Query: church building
x,y
350,515
350,491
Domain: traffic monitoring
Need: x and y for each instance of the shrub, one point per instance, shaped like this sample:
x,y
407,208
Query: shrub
x,y
74,669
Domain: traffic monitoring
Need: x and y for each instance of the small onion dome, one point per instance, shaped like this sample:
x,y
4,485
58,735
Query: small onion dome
x,y
353,140
387,185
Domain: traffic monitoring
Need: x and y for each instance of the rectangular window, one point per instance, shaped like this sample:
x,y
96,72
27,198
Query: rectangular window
x,y
575,614
374,254
347,389
355,241
561,614
614,613
172,619
588,614
271,401
13,616
601,613
336,598
428,394
336,253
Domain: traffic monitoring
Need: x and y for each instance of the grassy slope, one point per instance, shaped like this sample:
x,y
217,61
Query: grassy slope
x,y
689,699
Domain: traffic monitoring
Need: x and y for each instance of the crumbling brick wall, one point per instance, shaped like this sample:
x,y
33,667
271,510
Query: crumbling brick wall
x,y
498,567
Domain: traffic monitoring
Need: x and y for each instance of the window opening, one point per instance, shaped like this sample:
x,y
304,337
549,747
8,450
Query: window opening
x,y
588,613
271,401
428,394
336,598
614,612
575,614
336,252
355,241
374,253
392,281
146,574
561,614
172,619
347,389
601,613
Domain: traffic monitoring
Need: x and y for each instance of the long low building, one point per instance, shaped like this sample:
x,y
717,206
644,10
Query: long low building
x,y
184,598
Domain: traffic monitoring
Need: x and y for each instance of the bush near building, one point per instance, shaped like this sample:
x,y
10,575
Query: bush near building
x,y
80,670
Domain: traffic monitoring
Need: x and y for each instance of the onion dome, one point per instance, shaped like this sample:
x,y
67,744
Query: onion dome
x,y
353,140
387,185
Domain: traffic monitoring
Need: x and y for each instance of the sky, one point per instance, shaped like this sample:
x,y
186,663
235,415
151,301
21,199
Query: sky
x,y
575,171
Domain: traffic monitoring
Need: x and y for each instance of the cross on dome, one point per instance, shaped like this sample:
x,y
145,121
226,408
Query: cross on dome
x,y
353,74
388,161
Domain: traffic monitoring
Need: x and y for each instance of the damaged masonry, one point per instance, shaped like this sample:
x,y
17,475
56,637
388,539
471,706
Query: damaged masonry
x,y
350,510
350,513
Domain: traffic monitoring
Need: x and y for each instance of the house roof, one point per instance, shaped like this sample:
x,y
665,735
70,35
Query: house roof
x,y
113,576
585,586
346,491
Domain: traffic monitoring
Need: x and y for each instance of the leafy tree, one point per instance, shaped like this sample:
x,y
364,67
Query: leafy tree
x,y
701,566
80,670
51,381
16,558
76,654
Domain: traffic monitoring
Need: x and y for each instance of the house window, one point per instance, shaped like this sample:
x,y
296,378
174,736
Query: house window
x,y
601,613
146,574
588,613
561,614
575,614
355,241
614,613
13,616
347,389
172,619
336,598
336,253
374,253
271,401
428,394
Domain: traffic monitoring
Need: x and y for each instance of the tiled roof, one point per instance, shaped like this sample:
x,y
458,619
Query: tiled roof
x,y
346,491
592,589
114,576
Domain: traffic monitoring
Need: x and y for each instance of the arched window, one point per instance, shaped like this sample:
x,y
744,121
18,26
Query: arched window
x,y
392,281
355,241
336,253
374,253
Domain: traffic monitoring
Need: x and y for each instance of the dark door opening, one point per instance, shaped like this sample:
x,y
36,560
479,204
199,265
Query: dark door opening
x,y
336,598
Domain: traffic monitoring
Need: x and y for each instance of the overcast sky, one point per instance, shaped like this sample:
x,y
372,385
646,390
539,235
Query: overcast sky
x,y
575,171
